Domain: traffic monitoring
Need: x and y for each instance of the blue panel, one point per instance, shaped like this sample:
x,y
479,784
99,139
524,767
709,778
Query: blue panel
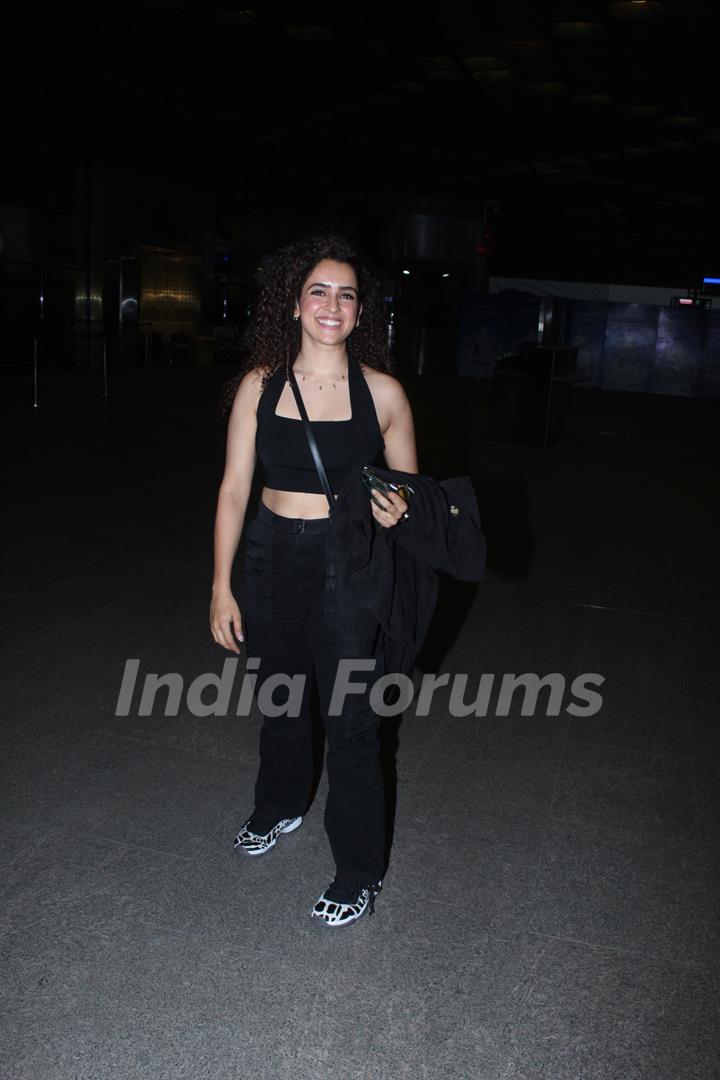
x,y
630,346
709,383
680,354
639,347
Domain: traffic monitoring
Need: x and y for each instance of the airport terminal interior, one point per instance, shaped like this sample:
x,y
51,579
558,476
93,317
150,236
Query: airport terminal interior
x,y
536,190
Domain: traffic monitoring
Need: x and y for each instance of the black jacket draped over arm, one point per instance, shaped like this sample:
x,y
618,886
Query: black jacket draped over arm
x,y
395,571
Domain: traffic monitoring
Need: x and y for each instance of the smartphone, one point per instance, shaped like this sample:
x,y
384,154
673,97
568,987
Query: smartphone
x,y
375,483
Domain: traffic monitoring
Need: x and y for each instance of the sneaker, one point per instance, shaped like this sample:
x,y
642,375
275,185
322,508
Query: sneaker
x,y
253,843
345,901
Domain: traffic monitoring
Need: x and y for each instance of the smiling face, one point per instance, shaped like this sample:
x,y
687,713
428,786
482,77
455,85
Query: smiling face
x,y
329,306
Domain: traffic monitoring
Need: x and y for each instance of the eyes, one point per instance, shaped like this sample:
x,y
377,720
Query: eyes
x,y
322,292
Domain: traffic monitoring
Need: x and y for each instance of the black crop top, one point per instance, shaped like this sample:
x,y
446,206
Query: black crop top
x,y
282,446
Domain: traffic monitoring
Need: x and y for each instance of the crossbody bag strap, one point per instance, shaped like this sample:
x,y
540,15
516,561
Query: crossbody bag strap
x,y
311,441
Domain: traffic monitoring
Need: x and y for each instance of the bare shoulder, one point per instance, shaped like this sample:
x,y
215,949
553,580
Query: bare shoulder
x,y
396,419
252,381
249,389
387,391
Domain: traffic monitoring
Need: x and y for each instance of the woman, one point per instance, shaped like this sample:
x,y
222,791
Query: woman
x,y
319,313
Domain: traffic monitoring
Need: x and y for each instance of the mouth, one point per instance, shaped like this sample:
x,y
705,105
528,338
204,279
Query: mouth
x,y
330,323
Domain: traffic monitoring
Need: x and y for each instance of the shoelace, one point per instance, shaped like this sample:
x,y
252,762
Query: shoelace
x,y
342,891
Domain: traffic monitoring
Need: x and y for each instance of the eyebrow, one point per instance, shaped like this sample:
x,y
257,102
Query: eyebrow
x,y
326,285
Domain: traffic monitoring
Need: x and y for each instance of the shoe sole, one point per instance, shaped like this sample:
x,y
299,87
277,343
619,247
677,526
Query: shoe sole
x,y
288,829
318,920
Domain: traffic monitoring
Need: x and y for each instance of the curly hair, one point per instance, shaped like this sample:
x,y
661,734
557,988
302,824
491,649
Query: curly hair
x,y
273,337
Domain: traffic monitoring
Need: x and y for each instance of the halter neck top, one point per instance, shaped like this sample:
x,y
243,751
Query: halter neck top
x,y
282,446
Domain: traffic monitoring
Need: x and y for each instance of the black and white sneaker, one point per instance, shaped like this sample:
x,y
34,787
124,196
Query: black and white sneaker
x,y
253,843
345,901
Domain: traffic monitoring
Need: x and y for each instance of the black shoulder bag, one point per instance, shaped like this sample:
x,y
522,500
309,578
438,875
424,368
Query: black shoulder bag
x,y
311,442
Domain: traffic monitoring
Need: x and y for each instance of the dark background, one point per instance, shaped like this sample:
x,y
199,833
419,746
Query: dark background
x,y
156,153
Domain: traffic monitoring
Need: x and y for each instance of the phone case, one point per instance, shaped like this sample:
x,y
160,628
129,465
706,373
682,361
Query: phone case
x,y
373,482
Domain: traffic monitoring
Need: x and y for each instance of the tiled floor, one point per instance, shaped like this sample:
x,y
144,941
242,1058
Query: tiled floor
x,y
550,910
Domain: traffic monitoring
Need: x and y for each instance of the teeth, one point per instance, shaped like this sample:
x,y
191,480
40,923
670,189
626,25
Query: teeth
x,y
329,322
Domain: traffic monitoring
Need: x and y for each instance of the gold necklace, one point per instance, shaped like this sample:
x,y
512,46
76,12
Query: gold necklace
x,y
328,382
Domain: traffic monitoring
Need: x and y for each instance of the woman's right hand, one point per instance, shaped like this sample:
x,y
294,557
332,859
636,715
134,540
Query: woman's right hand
x,y
225,620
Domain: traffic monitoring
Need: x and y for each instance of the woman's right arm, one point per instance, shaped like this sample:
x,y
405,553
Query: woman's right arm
x,y
225,620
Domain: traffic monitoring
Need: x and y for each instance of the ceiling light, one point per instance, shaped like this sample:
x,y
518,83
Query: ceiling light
x,y
634,10
406,273
578,31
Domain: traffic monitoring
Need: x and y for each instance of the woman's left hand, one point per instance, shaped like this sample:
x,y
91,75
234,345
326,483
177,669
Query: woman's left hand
x,y
391,509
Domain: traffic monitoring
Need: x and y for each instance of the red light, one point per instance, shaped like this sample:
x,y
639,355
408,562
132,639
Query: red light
x,y
686,300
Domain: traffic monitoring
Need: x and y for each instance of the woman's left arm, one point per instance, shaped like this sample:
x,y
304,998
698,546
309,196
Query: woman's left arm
x,y
400,450
399,435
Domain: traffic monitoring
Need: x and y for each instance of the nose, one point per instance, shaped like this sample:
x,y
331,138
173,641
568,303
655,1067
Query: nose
x,y
333,302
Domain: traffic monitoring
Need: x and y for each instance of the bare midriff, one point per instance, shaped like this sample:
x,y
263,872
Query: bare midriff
x,y
295,504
